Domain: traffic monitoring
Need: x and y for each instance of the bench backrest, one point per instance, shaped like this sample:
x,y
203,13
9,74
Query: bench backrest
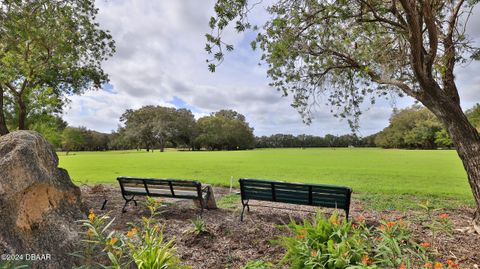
x,y
296,193
176,188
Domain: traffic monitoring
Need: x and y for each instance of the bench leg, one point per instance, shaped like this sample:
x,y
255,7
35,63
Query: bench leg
x,y
128,201
104,204
244,204
201,206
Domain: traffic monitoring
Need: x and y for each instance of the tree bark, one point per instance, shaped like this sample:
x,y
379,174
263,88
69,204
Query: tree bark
x,y
22,114
3,123
466,140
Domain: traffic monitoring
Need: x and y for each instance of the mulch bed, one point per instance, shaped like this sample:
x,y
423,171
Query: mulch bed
x,y
230,243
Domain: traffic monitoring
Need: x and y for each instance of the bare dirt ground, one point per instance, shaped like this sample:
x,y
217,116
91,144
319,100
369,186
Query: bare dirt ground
x,y
230,243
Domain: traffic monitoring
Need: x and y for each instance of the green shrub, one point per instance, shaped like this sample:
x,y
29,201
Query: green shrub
x,y
323,243
337,244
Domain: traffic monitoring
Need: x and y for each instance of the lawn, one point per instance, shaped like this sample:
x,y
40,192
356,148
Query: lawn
x,y
437,175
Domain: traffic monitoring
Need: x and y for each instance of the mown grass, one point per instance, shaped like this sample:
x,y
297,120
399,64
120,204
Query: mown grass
x,y
402,177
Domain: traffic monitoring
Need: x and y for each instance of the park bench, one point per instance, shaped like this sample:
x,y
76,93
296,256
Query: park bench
x,y
294,193
170,188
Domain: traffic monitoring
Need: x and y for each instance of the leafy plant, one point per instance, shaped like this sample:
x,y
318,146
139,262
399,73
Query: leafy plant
x,y
394,247
199,226
440,223
333,244
324,243
148,250
145,248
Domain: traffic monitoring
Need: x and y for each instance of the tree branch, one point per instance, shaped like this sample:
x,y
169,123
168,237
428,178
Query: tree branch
x,y
376,77
379,18
416,42
449,54
432,36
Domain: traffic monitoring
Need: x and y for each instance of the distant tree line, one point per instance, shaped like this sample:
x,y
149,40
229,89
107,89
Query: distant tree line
x,y
157,127
310,141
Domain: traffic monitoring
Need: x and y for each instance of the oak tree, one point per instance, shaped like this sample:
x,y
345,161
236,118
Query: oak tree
x,y
353,51
49,47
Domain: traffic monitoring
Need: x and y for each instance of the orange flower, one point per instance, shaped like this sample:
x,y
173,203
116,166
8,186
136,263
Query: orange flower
x,y
437,264
443,216
390,224
132,232
402,266
366,260
90,233
112,241
452,264
314,253
334,221
302,234
382,227
360,218
428,265
425,245
91,215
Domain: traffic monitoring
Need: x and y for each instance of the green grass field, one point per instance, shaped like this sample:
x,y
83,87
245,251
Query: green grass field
x,y
393,174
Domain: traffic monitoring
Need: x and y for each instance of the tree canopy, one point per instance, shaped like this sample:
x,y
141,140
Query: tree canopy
x,y
414,127
48,51
224,129
152,126
473,115
352,50
155,126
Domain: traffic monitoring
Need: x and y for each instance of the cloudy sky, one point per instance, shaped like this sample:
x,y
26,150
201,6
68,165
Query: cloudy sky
x,y
160,60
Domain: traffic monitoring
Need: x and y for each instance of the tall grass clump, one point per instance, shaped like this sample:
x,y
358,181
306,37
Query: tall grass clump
x,y
141,247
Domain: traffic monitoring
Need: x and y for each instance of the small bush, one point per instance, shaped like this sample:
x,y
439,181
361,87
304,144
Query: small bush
x,y
199,225
337,244
324,243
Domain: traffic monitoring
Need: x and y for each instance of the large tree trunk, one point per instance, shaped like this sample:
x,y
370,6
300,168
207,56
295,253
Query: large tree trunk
x,y
467,143
3,123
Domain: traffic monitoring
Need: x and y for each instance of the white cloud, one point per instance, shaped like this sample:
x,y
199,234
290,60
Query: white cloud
x,y
160,55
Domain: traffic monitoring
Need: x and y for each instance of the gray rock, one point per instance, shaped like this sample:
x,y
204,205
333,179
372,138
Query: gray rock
x,y
39,204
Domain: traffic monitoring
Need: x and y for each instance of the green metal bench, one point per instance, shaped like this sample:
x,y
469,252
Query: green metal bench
x,y
155,187
294,193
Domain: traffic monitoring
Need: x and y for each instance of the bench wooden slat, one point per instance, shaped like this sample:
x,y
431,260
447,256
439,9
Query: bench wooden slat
x,y
293,201
252,195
